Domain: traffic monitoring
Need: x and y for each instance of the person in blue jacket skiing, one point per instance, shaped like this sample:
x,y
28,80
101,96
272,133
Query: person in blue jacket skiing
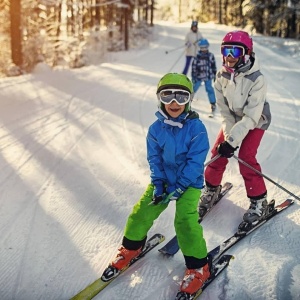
x,y
204,69
177,146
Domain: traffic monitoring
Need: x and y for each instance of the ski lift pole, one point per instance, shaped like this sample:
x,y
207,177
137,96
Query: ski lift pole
x,y
261,174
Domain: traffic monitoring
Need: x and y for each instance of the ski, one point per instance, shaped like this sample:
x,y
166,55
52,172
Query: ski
x,y
171,248
239,235
216,269
97,286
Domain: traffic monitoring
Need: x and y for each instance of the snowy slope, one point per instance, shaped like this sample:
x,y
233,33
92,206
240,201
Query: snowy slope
x,y
73,164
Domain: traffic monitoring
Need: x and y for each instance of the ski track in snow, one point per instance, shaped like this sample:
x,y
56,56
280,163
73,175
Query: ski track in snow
x,y
73,163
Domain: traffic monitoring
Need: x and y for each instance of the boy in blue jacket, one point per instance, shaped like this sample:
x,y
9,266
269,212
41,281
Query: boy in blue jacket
x,y
204,69
177,146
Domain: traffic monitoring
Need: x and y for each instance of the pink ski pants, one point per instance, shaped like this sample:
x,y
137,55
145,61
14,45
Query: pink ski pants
x,y
254,183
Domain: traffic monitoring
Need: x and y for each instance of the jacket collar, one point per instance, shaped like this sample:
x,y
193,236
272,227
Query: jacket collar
x,y
175,122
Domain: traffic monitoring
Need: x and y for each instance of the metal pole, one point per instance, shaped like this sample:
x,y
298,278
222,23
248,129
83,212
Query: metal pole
x,y
261,174
180,56
212,160
177,48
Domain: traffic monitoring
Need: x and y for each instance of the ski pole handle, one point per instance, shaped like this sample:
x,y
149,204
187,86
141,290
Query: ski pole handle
x,y
261,174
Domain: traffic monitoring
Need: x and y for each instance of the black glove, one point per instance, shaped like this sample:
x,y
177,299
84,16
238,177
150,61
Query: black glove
x,y
159,192
226,150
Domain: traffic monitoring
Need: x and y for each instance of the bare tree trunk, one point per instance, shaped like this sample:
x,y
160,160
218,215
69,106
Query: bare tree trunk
x,y
58,31
152,13
16,34
97,14
146,11
126,24
220,12
179,11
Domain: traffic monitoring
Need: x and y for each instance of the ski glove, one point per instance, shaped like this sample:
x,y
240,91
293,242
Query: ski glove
x,y
172,196
226,150
158,188
158,192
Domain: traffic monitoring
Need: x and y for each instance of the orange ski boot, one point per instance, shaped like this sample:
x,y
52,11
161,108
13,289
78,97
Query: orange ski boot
x,y
194,279
124,256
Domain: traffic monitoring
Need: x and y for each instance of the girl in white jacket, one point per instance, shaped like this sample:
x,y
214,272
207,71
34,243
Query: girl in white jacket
x,y
240,90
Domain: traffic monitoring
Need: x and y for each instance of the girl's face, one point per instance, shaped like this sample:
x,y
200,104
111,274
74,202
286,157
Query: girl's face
x,y
230,61
174,109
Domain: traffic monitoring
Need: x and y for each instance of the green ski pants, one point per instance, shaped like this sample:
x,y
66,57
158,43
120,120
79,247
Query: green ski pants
x,y
189,232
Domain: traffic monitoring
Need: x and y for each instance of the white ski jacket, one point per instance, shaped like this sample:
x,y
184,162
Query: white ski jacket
x,y
242,103
191,43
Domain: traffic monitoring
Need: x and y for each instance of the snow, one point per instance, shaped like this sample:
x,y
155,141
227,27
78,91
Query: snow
x,y
73,162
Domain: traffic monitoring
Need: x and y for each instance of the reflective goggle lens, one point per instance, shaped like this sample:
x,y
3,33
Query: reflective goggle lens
x,y
180,96
234,51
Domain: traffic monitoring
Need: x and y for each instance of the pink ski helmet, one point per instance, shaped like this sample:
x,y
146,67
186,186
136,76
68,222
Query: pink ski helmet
x,y
243,49
239,37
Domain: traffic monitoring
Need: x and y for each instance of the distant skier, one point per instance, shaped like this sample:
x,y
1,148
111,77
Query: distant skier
x,y
204,69
240,89
191,47
177,146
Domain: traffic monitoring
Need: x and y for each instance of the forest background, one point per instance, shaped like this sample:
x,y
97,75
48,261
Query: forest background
x,y
74,33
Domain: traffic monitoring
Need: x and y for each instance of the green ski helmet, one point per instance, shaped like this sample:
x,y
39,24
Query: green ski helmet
x,y
175,81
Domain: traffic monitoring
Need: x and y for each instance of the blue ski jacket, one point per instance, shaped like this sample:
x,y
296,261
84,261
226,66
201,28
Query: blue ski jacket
x,y
177,149
204,66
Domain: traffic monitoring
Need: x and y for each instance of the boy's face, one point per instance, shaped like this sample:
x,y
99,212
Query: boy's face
x,y
174,109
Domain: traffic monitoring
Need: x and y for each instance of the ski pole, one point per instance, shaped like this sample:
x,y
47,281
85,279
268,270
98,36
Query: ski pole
x,y
261,174
177,48
212,160
176,62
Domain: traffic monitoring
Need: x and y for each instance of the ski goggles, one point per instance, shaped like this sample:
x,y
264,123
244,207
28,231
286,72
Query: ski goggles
x,y
167,96
235,51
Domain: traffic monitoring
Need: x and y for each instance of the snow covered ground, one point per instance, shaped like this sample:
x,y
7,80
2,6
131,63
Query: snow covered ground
x,y
73,163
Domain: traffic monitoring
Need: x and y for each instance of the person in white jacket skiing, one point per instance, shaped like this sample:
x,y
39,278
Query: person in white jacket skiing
x,y
240,90
191,45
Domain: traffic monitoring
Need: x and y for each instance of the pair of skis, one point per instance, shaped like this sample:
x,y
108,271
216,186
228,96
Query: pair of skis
x,y
220,260
97,286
